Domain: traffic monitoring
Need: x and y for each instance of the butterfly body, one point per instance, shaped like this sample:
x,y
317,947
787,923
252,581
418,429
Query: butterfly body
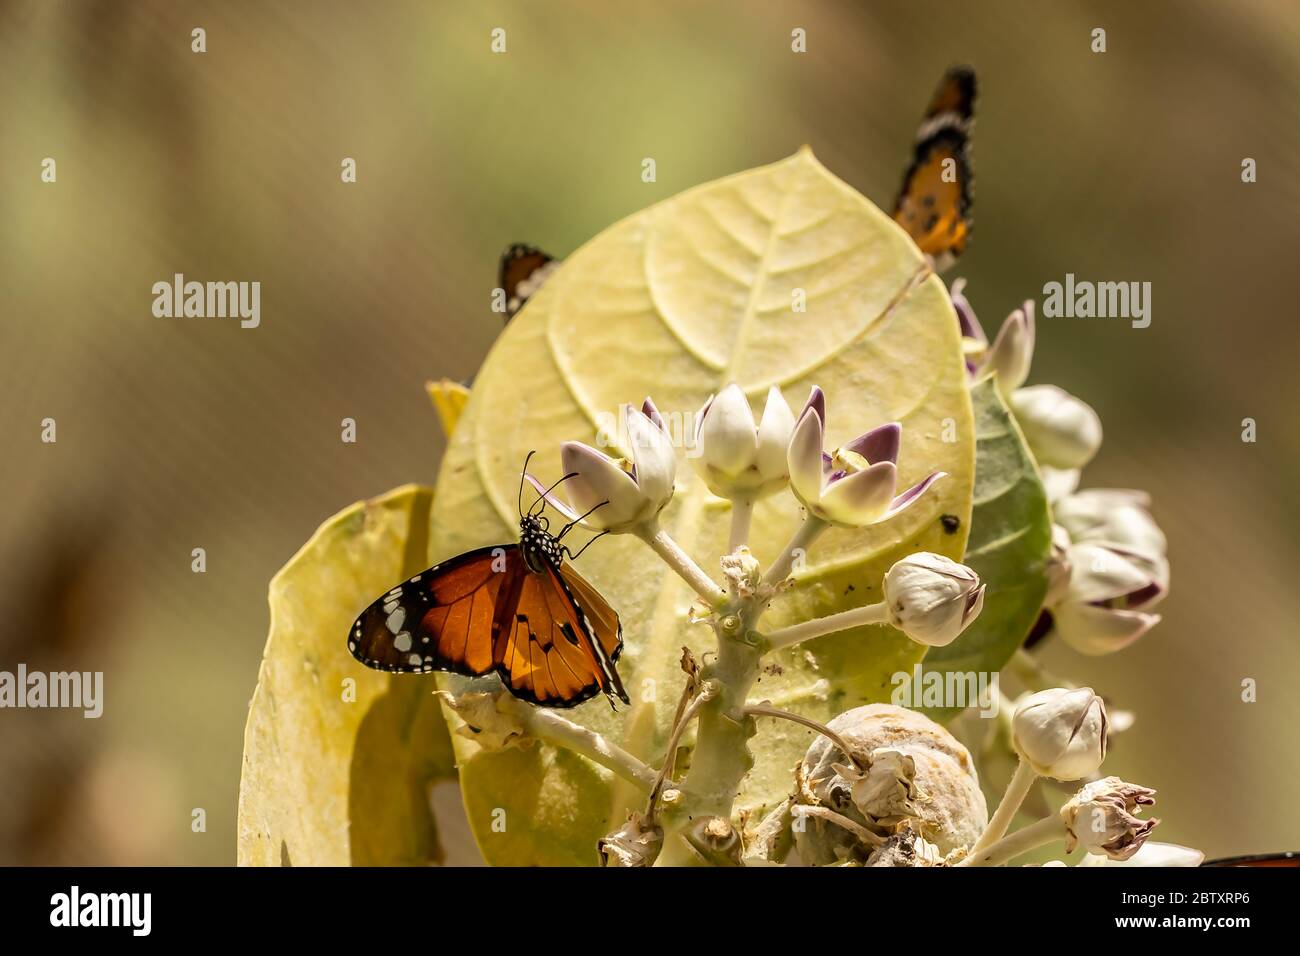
x,y
518,610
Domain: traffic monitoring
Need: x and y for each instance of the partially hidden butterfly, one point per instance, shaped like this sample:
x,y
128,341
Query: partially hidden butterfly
x,y
521,273
934,203
518,610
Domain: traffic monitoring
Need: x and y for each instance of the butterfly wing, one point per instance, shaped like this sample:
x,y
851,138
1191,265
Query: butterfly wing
x,y
442,619
934,203
561,647
521,273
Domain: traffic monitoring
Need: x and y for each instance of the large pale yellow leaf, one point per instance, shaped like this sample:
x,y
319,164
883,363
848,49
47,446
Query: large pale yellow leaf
x,y
337,774
675,302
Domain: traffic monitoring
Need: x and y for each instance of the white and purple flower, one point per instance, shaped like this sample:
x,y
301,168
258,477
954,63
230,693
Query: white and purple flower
x,y
618,494
854,485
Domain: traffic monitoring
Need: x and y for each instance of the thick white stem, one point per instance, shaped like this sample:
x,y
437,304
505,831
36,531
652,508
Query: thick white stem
x,y
742,513
1046,830
681,562
856,617
802,539
551,727
1021,781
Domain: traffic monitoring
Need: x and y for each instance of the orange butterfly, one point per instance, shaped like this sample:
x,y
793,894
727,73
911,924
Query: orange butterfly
x,y
515,609
934,202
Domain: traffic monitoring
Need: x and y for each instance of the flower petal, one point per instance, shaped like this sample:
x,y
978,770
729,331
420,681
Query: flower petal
x,y
600,478
879,444
912,494
656,460
861,498
970,325
774,431
1094,631
649,411
817,402
1099,573
728,436
1012,351
804,458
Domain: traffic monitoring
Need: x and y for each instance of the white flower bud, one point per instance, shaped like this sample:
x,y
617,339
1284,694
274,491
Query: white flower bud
x,y
737,458
1062,431
1061,733
931,598
1012,351
1100,818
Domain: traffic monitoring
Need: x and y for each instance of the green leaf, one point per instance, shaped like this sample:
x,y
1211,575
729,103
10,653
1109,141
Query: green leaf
x,y
675,302
1010,540
329,781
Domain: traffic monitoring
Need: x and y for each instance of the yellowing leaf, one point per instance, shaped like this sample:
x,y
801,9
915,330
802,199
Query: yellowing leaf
x,y
449,400
675,302
337,773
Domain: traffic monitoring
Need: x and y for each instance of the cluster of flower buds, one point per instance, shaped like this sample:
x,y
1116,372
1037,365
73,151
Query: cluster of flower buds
x,y
1108,567
739,459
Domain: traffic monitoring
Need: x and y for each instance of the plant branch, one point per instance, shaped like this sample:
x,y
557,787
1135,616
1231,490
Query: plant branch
x,y
681,562
1023,840
1021,781
826,813
767,710
549,726
856,617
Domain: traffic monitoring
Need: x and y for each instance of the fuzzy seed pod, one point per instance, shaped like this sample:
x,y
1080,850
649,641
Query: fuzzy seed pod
x,y
905,773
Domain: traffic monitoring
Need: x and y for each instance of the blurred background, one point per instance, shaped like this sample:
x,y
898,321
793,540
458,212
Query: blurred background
x,y
177,434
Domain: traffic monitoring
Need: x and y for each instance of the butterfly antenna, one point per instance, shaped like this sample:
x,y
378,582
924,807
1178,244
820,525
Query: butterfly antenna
x,y
522,475
569,527
542,500
575,557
